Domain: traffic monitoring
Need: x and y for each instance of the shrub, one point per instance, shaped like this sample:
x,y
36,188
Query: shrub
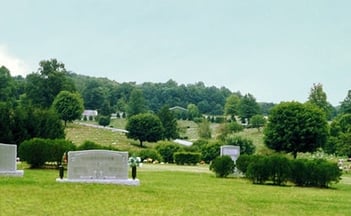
x,y
210,151
246,145
299,172
280,169
222,166
150,153
37,151
34,152
167,150
57,148
191,158
243,162
104,120
88,145
321,173
258,171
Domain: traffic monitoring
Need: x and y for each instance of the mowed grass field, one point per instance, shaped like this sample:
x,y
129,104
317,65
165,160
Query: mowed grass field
x,y
167,190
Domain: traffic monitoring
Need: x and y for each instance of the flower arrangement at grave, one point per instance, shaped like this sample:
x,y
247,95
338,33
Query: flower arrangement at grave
x,y
133,162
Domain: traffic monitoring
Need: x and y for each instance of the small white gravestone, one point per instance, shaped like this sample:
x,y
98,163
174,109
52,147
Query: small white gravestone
x,y
232,151
98,166
8,161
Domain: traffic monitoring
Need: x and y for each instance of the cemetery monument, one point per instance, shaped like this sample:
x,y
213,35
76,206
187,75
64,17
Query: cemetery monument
x,y
98,166
8,161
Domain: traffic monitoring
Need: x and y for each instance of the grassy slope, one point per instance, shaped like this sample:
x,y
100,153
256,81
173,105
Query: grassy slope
x,y
163,191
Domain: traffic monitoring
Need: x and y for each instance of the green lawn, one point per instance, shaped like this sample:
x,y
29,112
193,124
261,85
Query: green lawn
x,y
167,190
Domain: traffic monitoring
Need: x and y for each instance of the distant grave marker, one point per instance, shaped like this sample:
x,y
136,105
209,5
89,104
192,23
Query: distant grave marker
x,y
8,161
232,151
98,166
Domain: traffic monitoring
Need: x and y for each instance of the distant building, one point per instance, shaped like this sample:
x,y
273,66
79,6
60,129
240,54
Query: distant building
x,y
89,114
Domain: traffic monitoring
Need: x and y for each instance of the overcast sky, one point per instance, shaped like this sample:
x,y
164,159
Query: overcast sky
x,y
274,50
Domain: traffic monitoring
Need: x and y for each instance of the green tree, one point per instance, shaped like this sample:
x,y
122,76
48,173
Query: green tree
x,y
7,85
339,141
136,103
248,107
193,112
44,86
294,127
144,127
345,106
257,121
231,106
68,105
169,123
319,98
204,129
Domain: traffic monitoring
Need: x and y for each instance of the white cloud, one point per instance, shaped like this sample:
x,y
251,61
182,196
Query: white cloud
x,y
15,65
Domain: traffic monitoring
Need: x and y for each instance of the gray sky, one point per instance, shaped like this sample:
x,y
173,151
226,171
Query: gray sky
x,y
273,49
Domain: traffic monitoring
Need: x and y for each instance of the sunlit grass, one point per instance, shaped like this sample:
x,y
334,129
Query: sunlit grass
x,y
163,191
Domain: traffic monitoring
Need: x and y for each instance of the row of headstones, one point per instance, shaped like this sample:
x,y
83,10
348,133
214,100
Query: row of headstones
x,y
89,166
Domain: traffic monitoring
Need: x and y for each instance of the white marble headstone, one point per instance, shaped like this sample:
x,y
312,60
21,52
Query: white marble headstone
x,y
230,150
98,166
8,160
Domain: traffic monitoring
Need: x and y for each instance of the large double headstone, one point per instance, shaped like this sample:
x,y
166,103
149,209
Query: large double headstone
x,y
8,161
98,166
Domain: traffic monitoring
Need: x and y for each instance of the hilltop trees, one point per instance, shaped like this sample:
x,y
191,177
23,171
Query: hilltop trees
x,y
319,98
294,127
68,105
144,127
42,87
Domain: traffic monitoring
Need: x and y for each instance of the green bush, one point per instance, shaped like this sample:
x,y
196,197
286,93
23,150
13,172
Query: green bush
x,y
315,173
34,152
280,169
37,151
222,166
191,158
57,148
210,151
149,153
89,145
258,171
104,120
243,162
246,145
167,150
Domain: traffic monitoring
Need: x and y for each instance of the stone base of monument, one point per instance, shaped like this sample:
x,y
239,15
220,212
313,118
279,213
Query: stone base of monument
x,y
16,173
131,182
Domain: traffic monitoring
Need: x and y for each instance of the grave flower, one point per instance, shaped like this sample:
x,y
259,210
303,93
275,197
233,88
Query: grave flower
x,y
133,162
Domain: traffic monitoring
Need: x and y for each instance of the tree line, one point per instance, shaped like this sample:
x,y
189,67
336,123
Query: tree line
x,y
34,106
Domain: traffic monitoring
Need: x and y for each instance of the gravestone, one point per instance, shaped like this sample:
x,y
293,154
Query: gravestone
x,y
98,166
8,161
232,151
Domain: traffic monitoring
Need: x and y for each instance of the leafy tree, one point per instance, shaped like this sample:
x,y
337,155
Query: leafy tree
x,y
229,128
104,120
257,121
294,127
7,85
246,145
339,141
44,86
248,107
144,127
345,106
169,123
204,129
319,98
6,123
68,105
231,106
193,112
136,103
